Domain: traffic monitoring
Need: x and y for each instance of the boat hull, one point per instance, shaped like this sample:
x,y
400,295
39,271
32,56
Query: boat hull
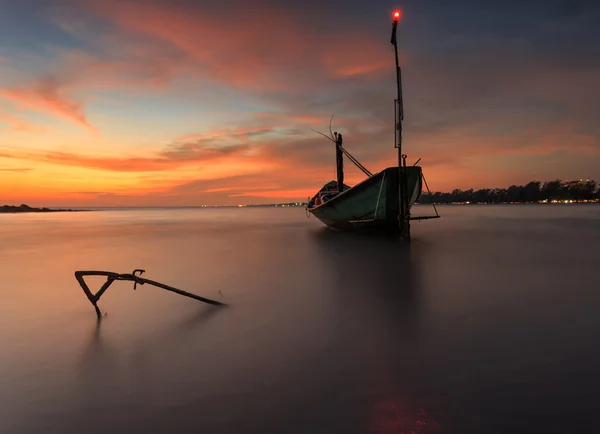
x,y
372,205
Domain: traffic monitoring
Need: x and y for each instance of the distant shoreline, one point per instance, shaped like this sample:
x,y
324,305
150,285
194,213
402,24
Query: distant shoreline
x,y
21,209
10,209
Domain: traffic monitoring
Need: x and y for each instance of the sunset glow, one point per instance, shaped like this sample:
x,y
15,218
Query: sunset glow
x,y
179,103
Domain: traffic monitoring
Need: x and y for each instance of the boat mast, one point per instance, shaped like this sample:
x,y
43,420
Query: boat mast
x,y
404,215
339,162
398,109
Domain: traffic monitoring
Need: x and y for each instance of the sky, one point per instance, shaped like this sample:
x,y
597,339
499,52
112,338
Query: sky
x,y
186,103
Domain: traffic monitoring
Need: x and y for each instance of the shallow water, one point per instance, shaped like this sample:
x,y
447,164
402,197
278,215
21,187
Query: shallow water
x,y
488,323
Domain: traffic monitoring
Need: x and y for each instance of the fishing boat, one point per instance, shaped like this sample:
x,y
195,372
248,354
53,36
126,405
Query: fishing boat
x,y
381,202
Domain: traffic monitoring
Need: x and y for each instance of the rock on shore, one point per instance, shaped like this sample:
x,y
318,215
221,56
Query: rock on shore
x,y
27,208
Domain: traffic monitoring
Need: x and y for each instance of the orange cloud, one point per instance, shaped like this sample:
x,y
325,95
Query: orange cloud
x,y
480,139
18,125
46,96
348,58
269,166
170,159
16,169
295,194
119,61
152,43
266,50
196,169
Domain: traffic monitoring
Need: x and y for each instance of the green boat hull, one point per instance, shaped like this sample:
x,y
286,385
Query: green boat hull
x,y
374,204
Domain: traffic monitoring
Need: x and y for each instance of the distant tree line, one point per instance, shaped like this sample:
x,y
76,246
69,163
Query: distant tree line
x,y
533,192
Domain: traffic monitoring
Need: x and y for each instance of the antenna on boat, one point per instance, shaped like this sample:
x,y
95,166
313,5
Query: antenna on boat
x,y
404,208
399,106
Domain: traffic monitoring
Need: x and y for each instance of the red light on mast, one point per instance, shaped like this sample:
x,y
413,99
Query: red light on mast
x,y
397,15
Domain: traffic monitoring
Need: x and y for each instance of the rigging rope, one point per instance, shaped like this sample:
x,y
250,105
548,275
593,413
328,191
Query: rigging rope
x,y
356,162
347,154
429,191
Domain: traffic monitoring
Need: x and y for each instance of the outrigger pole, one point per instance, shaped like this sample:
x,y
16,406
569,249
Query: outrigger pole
x,y
404,215
133,277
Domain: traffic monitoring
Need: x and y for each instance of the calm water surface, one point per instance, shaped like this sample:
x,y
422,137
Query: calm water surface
x,y
488,323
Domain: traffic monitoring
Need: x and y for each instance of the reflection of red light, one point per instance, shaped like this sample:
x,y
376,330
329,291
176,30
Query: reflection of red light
x,y
402,416
397,15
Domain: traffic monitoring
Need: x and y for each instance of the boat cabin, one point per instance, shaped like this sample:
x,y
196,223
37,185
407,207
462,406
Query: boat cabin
x,y
328,192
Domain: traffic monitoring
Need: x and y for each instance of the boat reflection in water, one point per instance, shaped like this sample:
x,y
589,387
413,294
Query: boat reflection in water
x,y
376,283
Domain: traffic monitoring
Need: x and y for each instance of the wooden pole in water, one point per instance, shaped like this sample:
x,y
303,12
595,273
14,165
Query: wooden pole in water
x,y
404,214
133,277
